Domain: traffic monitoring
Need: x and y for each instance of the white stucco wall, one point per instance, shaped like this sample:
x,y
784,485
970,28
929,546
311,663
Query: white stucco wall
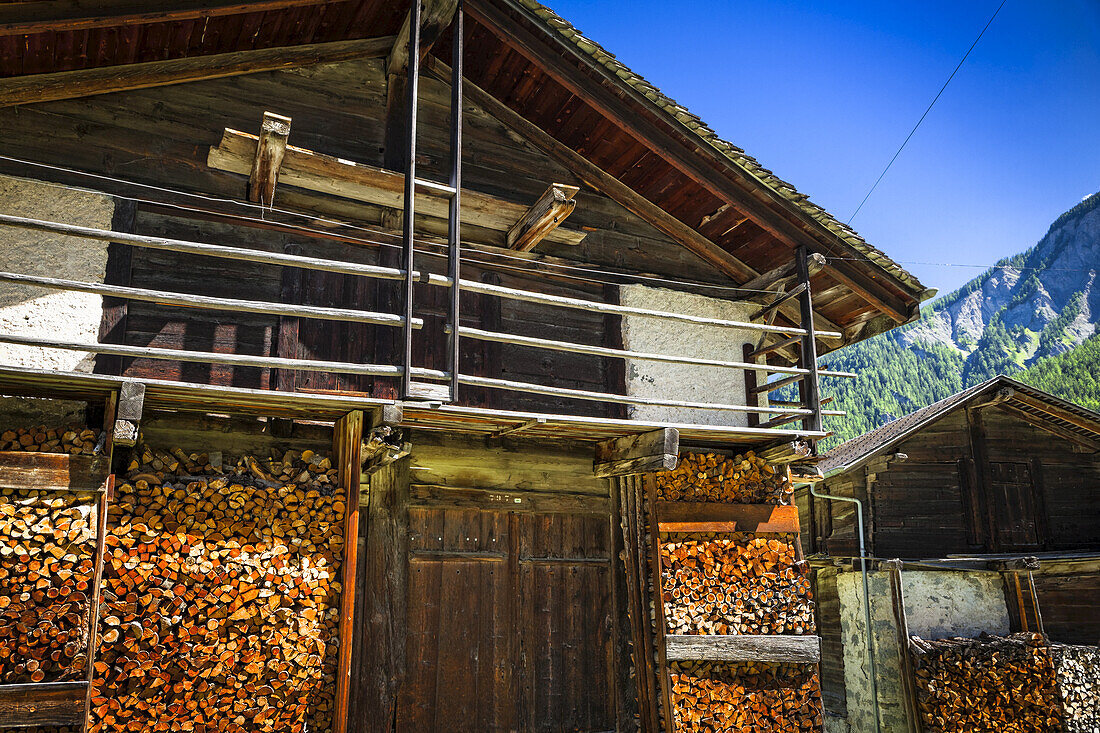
x,y
684,382
42,313
938,604
38,312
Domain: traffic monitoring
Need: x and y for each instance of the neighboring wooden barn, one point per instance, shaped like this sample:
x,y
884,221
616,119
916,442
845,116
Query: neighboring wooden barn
x,y
991,500
386,365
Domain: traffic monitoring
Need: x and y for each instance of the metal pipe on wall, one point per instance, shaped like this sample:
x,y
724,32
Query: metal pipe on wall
x,y
866,599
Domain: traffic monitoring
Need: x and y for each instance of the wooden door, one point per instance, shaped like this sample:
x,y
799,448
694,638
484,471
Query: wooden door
x,y
1013,495
509,623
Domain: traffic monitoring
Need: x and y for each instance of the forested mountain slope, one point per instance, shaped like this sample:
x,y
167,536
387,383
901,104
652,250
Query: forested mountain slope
x,y
1034,305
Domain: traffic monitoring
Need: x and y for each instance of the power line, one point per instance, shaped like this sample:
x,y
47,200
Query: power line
x,y
934,100
997,266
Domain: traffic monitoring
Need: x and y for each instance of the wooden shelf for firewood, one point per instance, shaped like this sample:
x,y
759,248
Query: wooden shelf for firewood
x,y
679,516
48,703
743,648
53,471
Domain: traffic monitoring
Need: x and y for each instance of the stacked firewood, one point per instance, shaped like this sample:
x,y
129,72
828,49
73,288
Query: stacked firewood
x,y
992,683
221,595
750,697
1077,670
47,570
74,440
734,584
742,479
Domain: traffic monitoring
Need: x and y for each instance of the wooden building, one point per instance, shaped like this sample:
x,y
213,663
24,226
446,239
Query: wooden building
x,y
991,500
426,347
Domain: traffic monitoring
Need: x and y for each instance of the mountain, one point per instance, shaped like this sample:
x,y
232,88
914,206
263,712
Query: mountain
x,y
1021,313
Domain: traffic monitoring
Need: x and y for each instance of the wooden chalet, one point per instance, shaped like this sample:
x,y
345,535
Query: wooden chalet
x,y
355,342
989,502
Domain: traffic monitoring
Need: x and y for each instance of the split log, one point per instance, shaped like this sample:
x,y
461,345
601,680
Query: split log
x,y
744,479
734,584
747,697
991,683
47,570
221,595
1077,670
73,440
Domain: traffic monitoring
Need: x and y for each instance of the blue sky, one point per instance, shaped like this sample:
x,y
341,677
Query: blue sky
x,y
822,93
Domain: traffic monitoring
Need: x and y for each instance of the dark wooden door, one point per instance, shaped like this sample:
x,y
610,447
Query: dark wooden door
x,y
509,623
1013,495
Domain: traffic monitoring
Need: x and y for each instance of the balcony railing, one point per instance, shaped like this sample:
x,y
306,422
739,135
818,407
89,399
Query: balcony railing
x,y
432,384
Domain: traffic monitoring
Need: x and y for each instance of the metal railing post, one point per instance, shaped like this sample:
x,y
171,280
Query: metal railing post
x,y
809,388
410,193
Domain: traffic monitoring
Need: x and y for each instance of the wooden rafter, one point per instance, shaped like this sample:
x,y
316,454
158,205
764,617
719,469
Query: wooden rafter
x,y
742,190
104,80
51,15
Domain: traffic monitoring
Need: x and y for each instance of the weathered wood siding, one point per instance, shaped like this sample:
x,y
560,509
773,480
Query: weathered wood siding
x,y
1034,491
833,694
161,137
1068,603
501,607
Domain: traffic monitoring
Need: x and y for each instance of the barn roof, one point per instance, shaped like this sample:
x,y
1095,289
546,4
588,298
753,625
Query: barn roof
x,y
1052,412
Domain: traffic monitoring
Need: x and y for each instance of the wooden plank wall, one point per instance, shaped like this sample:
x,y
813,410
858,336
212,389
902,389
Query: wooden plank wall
x,y
161,137
1068,603
1067,482
933,504
501,607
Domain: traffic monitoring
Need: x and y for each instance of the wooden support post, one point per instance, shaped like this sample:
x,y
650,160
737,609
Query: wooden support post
x,y
634,555
808,388
751,395
379,669
901,626
347,441
657,450
544,216
131,401
270,148
626,697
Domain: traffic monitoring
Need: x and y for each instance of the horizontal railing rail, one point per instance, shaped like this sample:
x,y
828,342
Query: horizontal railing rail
x,y
788,336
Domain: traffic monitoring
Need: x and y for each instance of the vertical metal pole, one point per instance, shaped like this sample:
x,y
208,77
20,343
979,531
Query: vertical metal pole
x,y
410,191
809,386
454,253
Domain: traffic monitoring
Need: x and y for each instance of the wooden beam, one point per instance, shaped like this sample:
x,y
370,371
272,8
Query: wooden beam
x,y
270,149
727,181
52,703
887,305
50,15
544,216
619,192
743,648
131,400
338,177
785,274
52,471
540,502
656,450
435,17
681,516
347,441
105,80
